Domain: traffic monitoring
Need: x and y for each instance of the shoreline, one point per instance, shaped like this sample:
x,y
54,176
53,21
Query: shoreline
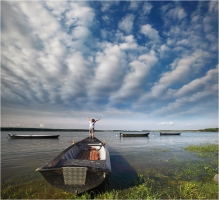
x,y
86,130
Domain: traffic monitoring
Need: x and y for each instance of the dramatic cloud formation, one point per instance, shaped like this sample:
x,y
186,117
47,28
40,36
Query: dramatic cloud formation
x,y
134,64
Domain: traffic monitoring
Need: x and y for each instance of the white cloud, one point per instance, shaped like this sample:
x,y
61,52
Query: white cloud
x,y
11,125
213,6
211,37
126,24
165,7
79,15
199,84
146,8
164,50
166,123
42,126
183,68
44,29
194,101
134,78
183,42
176,13
109,72
179,73
77,77
106,18
57,8
196,90
134,5
207,24
129,43
150,32
106,5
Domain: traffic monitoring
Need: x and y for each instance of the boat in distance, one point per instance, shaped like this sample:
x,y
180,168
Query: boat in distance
x,y
82,166
16,136
170,133
134,135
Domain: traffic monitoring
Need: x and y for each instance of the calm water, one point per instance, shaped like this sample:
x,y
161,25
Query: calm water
x,y
20,157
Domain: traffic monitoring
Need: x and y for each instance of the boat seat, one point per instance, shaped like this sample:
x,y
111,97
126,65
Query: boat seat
x,y
88,154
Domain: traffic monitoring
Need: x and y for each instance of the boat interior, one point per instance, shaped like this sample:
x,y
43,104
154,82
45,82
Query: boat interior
x,y
86,152
79,154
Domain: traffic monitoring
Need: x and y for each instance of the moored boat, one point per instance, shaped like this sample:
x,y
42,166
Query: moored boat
x,y
81,167
170,133
16,136
134,135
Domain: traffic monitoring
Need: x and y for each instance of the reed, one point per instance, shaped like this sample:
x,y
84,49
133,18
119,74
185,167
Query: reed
x,y
203,150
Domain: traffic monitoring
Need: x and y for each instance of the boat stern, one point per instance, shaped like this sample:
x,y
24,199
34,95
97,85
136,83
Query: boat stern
x,y
74,175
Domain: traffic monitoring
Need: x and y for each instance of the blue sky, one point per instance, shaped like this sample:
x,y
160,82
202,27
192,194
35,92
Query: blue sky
x,y
133,64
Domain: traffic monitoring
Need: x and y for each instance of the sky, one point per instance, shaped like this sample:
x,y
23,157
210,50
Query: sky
x,y
136,65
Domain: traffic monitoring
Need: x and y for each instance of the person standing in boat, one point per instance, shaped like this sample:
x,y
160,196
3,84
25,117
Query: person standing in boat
x,y
92,125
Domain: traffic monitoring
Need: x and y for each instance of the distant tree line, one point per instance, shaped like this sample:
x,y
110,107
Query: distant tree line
x,y
85,130
210,130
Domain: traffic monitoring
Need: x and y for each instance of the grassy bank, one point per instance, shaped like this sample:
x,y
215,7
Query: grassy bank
x,y
184,180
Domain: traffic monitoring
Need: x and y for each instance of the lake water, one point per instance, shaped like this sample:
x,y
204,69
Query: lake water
x,y
129,156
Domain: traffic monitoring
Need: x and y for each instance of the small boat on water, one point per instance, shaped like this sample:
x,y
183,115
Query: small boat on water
x,y
81,167
15,136
170,134
134,135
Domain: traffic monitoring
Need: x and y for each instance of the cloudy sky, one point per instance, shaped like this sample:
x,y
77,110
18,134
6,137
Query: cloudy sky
x,y
133,64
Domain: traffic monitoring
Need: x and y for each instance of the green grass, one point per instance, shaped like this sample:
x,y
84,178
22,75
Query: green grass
x,y
204,150
183,180
32,190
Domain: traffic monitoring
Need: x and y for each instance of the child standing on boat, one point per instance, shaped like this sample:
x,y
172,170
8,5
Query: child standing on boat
x,y
92,123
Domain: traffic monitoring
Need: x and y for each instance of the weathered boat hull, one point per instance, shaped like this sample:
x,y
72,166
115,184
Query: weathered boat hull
x,y
68,172
134,135
169,134
74,179
33,136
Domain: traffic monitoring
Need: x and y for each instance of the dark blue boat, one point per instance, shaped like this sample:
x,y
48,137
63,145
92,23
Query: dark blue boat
x,y
16,136
134,135
81,167
170,134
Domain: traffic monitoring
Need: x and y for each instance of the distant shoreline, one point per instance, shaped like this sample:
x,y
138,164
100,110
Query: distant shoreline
x,y
85,130
39,129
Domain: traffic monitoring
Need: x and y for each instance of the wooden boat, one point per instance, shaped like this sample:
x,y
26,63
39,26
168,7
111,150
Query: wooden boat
x,y
134,135
170,134
15,136
81,167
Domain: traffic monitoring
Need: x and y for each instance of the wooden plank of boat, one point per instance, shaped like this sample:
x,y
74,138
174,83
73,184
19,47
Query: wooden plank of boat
x,y
81,167
16,136
134,135
170,133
